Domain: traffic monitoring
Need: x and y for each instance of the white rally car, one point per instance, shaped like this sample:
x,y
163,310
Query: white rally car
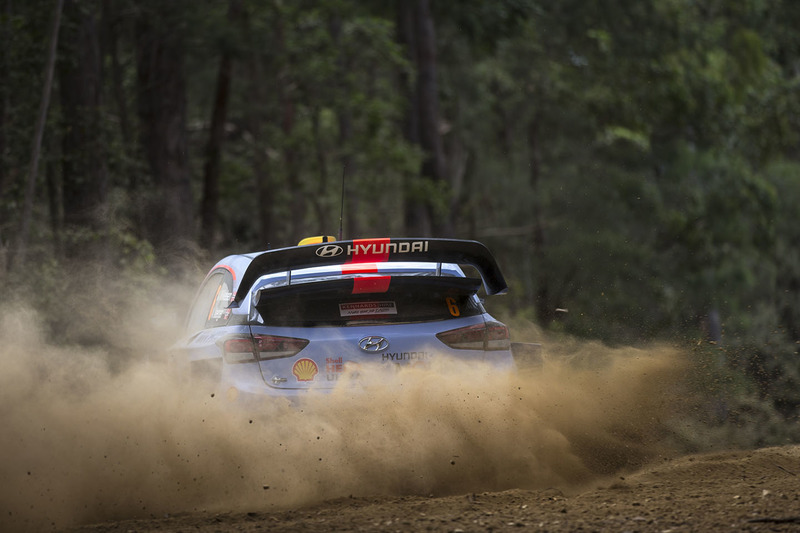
x,y
285,321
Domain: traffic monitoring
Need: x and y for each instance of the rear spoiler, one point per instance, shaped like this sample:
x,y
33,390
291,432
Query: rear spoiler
x,y
449,286
375,251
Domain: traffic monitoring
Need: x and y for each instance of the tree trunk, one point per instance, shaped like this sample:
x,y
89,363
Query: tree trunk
x,y
54,203
298,202
297,205
349,196
211,170
261,167
323,215
416,217
258,115
162,112
416,32
21,248
111,25
84,178
5,107
545,310
344,116
433,164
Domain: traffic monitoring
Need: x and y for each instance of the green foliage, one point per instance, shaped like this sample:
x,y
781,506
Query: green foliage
x,y
22,59
633,164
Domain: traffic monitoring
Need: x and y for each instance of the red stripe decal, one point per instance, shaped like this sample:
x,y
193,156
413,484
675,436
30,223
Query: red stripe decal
x,y
226,267
370,251
371,284
229,269
360,268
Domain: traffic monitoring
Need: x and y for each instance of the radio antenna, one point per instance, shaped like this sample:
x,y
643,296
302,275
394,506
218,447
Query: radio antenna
x,y
341,210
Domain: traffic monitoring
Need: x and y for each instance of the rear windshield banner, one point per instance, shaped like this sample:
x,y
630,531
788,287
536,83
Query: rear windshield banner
x,y
367,309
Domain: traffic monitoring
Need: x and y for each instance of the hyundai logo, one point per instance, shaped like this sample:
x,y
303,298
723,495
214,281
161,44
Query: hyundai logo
x,y
373,344
329,250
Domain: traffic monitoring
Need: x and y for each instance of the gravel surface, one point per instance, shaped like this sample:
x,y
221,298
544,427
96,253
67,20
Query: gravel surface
x,y
738,491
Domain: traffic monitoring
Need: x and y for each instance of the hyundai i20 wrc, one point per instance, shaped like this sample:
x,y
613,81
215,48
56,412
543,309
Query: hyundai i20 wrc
x,y
286,321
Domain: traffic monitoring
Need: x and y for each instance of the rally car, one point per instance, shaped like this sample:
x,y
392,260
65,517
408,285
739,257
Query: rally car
x,y
285,321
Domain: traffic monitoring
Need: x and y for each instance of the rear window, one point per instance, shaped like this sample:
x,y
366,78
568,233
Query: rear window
x,y
407,300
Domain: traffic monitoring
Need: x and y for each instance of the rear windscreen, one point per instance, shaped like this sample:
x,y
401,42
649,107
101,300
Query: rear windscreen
x,y
334,304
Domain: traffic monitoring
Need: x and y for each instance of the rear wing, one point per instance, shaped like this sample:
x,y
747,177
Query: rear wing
x,y
337,287
375,251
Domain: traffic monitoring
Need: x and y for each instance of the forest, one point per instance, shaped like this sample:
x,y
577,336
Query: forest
x,y
632,164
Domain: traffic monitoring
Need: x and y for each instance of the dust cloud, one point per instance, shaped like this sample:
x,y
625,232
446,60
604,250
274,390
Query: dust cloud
x,y
86,438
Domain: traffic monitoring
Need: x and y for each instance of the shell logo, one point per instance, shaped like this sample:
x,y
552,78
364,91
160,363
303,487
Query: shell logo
x,y
305,369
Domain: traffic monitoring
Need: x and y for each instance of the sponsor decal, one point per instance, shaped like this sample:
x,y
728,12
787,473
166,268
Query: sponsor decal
x,y
352,369
305,369
220,310
373,344
406,356
367,250
334,366
371,250
367,308
380,247
329,250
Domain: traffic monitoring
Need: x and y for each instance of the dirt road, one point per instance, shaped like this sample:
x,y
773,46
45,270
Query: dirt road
x,y
731,491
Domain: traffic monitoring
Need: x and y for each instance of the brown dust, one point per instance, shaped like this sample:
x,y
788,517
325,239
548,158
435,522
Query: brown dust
x,y
87,437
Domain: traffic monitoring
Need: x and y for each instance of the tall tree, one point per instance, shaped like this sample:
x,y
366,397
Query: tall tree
x,y
344,116
260,110
417,218
211,169
21,248
84,173
5,104
433,163
168,212
287,95
113,23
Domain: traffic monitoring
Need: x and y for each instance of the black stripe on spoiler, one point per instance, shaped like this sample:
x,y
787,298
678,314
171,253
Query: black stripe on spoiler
x,y
375,251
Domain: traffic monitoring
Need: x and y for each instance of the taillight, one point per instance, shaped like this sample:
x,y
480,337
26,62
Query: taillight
x,y
466,338
273,347
239,350
489,336
497,336
261,347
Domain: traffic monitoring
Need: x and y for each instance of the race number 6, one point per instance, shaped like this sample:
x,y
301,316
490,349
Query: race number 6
x,y
452,306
